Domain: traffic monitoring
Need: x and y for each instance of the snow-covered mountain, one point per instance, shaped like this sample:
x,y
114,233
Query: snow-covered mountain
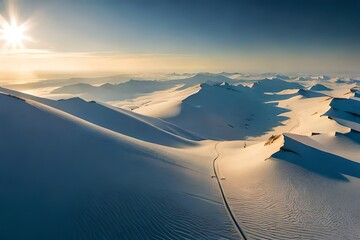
x,y
135,88
205,157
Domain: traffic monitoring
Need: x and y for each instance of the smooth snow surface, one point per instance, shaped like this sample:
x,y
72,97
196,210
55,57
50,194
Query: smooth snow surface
x,y
66,178
201,156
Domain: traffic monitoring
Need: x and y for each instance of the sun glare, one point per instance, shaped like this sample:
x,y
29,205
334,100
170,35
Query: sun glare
x,y
13,34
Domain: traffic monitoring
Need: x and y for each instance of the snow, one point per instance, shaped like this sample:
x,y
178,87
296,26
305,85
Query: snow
x,y
216,112
121,121
135,88
345,112
136,160
275,85
64,177
324,77
319,87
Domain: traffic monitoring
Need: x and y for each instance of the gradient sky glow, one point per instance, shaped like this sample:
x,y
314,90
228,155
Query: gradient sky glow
x,y
188,35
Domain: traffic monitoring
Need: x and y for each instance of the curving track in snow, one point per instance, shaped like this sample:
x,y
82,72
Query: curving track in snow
x,y
216,172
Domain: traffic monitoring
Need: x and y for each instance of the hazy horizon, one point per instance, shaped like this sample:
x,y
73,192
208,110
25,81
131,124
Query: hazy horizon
x,y
125,37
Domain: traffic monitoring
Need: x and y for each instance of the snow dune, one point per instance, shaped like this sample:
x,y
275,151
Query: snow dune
x,y
66,178
275,85
319,87
159,104
324,78
119,120
135,88
298,186
310,93
210,108
308,190
351,105
287,158
346,112
217,112
306,78
109,92
336,156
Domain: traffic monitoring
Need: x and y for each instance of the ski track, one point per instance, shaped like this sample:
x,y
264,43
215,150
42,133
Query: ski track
x,y
216,172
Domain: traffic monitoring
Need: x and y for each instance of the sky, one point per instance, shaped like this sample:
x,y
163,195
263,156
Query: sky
x,y
185,35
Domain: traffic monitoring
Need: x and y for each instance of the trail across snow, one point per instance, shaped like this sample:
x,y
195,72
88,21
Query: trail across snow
x,y
63,177
72,169
216,172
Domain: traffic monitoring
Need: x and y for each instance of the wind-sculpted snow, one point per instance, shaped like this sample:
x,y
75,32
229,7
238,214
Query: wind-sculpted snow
x,y
308,190
218,112
146,215
59,172
283,77
356,91
314,157
324,78
200,78
310,93
304,78
109,92
319,87
283,157
119,120
346,112
135,88
351,105
275,85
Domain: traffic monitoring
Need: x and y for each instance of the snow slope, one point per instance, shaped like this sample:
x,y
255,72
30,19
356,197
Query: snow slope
x,y
297,186
286,157
236,112
319,87
309,190
216,112
275,85
346,112
135,88
110,92
159,104
119,120
65,178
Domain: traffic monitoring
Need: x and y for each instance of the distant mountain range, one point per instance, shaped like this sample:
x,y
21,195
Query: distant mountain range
x,y
134,88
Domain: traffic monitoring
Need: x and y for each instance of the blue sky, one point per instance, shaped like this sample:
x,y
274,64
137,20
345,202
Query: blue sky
x,y
217,30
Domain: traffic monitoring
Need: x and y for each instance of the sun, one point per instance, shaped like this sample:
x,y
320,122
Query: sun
x,y
13,34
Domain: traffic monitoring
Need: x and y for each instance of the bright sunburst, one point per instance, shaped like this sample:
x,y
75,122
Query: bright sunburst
x,y
13,34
